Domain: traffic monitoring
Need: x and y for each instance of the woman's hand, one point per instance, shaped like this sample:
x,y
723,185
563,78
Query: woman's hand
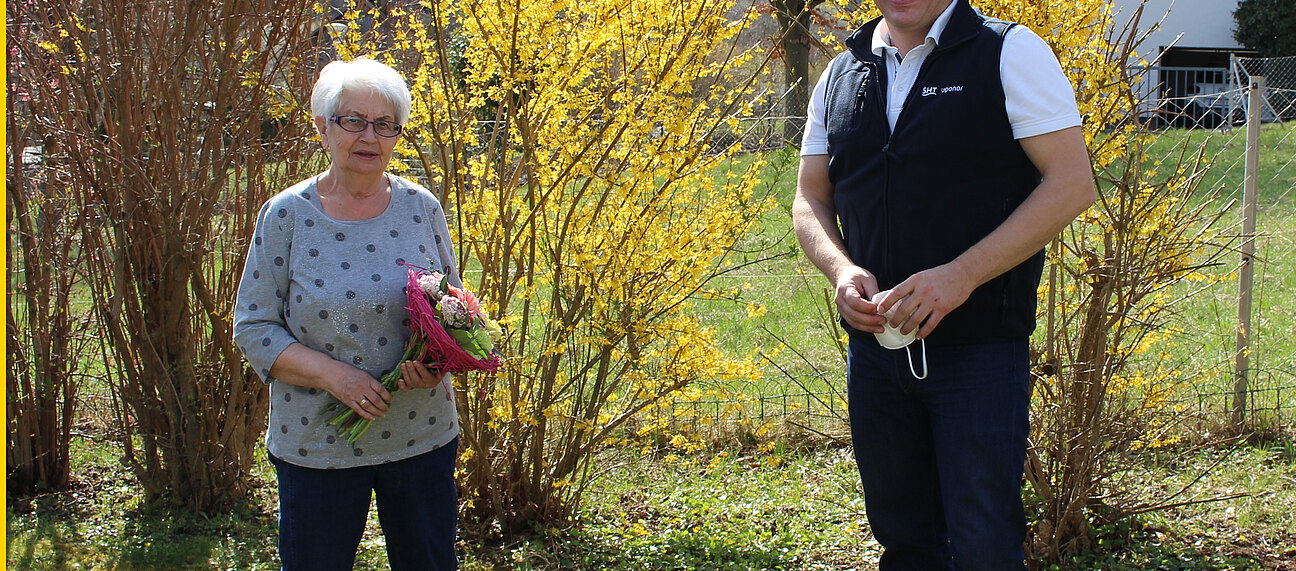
x,y
305,367
418,376
360,391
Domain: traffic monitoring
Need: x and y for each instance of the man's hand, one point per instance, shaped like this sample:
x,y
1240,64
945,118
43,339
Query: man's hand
x,y
855,287
927,297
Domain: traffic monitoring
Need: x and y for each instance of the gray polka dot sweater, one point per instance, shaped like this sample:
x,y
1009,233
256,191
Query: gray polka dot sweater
x,y
337,287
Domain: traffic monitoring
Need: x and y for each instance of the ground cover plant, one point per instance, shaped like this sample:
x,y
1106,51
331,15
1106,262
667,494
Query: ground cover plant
x,y
794,507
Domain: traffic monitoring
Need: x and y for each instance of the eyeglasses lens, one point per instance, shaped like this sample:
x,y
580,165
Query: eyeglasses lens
x,y
357,124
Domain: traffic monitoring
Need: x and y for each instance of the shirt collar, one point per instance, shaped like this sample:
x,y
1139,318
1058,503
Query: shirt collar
x,y
881,45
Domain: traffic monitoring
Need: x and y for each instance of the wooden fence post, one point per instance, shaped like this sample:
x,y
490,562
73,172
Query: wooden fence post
x,y
1242,356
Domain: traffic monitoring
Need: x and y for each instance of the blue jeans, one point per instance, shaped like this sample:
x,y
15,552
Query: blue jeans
x,y
941,459
322,513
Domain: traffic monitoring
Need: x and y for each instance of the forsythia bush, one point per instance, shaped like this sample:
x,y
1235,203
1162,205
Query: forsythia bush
x,y
573,141
1107,301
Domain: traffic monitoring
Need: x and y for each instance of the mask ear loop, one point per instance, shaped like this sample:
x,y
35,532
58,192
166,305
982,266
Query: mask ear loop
x,y
909,358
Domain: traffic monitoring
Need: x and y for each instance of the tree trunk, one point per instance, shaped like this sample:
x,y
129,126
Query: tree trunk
x,y
795,40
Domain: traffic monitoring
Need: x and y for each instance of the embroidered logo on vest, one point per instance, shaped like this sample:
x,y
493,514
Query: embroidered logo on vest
x,y
929,91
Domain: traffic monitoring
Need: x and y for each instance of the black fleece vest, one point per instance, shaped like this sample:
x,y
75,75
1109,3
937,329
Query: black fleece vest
x,y
951,172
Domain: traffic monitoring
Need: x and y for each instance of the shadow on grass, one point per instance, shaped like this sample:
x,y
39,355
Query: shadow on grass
x,y
45,545
1188,554
97,526
152,538
580,550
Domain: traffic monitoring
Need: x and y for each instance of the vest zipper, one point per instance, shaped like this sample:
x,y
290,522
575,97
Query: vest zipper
x,y
886,152
879,97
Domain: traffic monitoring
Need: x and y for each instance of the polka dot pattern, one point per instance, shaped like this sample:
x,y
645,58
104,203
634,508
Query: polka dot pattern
x,y
339,289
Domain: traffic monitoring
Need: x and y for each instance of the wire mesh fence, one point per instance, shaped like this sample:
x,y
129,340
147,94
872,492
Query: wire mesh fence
x,y
1193,106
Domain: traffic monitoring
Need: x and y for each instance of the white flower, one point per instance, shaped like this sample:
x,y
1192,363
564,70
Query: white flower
x,y
431,284
453,313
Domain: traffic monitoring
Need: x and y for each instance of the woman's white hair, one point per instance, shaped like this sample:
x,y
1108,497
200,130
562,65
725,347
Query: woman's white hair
x,y
362,73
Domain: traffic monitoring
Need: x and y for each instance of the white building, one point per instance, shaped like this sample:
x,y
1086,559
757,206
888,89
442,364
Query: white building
x,y
1185,25
1191,44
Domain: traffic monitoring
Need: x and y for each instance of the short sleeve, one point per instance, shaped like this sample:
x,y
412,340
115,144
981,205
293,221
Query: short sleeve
x,y
1038,96
814,140
260,328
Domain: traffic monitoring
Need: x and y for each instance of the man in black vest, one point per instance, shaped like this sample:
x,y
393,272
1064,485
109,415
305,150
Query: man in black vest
x,y
943,150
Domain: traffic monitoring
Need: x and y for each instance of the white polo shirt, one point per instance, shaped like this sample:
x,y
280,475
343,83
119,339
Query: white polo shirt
x,y
1037,94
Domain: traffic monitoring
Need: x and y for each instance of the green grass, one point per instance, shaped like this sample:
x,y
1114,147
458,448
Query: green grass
x,y
792,290
775,276
791,508
1209,317
1225,150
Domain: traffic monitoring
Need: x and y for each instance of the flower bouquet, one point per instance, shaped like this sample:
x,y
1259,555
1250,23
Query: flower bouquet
x,y
448,332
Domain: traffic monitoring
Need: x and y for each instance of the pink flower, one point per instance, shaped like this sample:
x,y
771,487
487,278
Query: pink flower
x,y
447,333
469,301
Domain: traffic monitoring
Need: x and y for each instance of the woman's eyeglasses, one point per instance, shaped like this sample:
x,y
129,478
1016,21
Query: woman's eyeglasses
x,y
358,124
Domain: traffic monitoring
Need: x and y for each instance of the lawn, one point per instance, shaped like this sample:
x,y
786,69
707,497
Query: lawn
x,y
791,322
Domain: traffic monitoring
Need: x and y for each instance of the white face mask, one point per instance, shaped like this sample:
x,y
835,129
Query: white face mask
x,y
892,338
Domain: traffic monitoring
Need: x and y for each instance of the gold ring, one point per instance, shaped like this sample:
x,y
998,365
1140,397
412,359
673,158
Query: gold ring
x,y
364,401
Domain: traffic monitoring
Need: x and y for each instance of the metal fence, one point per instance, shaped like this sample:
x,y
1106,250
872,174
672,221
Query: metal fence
x,y
1255,383
1215,97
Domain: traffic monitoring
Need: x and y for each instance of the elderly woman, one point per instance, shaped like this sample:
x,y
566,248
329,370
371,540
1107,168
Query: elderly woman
x,y
321,316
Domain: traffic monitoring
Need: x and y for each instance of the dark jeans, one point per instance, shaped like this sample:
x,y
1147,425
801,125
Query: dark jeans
x,y
941,459
322,513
